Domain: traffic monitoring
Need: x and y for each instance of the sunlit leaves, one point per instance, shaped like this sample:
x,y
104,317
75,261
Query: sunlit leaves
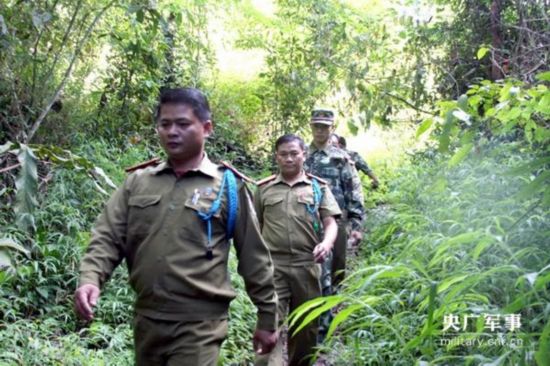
x,y
482,52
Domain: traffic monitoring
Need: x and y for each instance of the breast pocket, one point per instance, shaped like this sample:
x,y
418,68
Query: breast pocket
x,y
201,208
273,205
143,212
305,200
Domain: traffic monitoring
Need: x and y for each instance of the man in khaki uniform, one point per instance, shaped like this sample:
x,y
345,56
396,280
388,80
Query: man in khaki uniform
x,y
294,209
170,223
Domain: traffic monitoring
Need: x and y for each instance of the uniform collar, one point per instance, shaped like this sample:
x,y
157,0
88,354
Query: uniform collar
x,y
313,148
303,179
206,167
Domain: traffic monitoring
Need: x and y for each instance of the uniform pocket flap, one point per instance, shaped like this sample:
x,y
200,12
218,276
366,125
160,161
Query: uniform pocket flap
x,y
271,201
306,198
203,205
144,200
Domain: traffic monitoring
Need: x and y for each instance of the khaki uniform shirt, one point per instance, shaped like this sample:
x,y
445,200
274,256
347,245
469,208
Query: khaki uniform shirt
x,y
287,226
152,223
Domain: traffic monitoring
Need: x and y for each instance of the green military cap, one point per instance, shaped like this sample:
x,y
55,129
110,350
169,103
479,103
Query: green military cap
x,y
323,116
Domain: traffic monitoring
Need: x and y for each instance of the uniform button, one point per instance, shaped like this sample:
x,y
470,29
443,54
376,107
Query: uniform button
x,y
171,207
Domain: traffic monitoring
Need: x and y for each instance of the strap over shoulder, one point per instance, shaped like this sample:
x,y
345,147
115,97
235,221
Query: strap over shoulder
x,y
236,172
320,180
266,180
145,164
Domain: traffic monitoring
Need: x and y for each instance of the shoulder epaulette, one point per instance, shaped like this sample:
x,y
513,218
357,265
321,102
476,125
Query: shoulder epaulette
x,y
316,177
145,164
266,180
237,173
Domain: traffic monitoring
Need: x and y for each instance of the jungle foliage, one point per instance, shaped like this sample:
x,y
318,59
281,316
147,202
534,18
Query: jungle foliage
x,y
459,226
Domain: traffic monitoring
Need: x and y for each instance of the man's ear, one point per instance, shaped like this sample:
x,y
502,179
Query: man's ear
x,y
208,128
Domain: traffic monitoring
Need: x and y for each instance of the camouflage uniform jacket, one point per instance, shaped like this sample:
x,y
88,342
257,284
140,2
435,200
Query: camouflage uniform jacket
x,y
335,166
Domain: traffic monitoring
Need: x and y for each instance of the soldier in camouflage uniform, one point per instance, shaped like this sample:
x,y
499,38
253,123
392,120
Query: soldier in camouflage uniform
x,y
360,164
334,165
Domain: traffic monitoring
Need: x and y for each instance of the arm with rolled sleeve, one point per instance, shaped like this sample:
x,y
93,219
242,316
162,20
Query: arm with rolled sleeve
x,y
353,196
255,265
360,163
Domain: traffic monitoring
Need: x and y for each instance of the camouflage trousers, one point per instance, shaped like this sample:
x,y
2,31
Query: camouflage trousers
x,y
332,274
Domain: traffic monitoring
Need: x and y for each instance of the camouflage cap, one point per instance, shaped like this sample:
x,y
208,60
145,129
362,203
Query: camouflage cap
x,y
322,116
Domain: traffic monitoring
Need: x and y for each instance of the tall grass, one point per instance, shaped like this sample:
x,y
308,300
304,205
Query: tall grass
x,y
452,241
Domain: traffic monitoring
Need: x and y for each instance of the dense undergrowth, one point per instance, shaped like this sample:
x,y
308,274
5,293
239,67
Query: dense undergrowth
x,y
451,244
441,241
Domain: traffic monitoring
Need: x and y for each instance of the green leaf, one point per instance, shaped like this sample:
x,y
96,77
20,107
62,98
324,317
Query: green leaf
x,y
529,167
3,27
424,126
5,260
536,186
352,127
97,171
27,189
542,356
544,104
445,138
5,147
8,243
342,316
462,102
482,52
544,76
330,302
460,155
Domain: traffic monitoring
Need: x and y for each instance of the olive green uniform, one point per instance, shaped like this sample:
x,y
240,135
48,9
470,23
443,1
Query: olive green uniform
x,y
152,222
291,233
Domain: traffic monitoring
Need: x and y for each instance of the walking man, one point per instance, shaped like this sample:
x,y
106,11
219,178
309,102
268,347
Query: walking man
x,y
171,222
297,216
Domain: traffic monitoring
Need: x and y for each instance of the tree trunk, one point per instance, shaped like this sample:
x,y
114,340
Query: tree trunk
x,y
496,33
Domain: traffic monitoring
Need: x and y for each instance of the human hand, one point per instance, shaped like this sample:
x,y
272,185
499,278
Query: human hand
x,y
264,341
356,237
321,252
375,184
85,299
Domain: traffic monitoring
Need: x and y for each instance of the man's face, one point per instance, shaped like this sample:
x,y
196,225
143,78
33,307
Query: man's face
x,y
334,141
321,133
180,131
290,158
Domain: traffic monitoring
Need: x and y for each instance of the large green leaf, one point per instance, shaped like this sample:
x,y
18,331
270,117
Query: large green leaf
x,y
27,189
424,126
460,155
8,243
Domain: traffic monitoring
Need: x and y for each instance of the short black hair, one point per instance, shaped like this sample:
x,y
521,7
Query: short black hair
x,y
342,141
189,96
285,139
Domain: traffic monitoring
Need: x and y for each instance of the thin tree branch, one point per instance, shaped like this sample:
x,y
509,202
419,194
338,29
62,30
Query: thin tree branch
x,y
403,100
91,27
3,170
49,74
